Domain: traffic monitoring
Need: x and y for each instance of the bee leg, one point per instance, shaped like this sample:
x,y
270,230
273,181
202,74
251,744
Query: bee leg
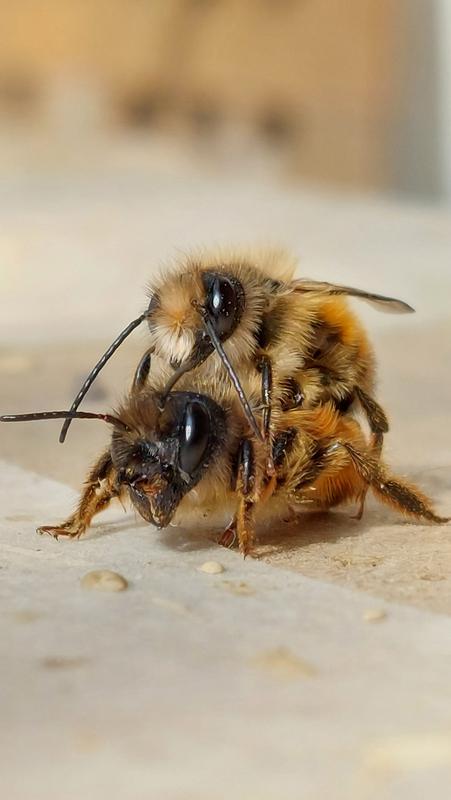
x,y
327,462
405,497
100,487
378,423
265,367
242,527
142,370
228,537
375,414
377,441
248,495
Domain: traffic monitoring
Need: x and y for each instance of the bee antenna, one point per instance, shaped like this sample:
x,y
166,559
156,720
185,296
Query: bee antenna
x,y
68,415
187,366
215,340
95,371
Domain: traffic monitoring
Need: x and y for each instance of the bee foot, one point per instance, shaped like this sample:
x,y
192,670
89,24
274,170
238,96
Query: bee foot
x,y
228,538
70,530
359,514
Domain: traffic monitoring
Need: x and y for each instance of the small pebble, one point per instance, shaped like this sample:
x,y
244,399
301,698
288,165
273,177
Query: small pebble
x,y
26,616
282,663
170,605
238,587
211,567
60,662
374,615
104,580
431,576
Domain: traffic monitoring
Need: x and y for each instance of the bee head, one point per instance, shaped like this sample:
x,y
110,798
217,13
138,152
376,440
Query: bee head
x,y
173,314
194,311
197,313
162,454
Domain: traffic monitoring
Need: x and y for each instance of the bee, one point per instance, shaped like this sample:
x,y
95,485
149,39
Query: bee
x,y
192,451
244,312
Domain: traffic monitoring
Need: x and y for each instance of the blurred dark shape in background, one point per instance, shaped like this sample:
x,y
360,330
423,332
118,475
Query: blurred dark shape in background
x,y
347,93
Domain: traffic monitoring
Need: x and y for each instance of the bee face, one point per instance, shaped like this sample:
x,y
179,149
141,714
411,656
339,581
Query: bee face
x,y
166,452
173,315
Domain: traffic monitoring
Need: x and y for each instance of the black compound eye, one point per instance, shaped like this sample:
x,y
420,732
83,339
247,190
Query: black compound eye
x,y
194,437
224,302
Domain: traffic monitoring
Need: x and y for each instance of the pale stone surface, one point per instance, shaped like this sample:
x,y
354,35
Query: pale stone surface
x,y
182,689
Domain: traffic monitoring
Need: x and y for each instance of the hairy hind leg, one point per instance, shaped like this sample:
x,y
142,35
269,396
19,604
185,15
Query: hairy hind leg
x,y
378,423
99,489
242,529
400,495
375,414
333,482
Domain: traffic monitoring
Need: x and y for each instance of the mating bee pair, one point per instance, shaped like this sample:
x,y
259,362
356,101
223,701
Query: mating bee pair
x,y
272,374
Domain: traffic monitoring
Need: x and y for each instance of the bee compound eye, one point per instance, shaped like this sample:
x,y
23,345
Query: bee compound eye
x,y
224,302
194,437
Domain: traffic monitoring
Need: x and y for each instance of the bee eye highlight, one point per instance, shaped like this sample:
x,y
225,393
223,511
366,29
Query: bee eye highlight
x,y
194,437
224,301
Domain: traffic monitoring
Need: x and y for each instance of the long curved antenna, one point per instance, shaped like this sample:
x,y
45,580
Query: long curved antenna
x,y
69,415
187,366
98,367
215,340
190,364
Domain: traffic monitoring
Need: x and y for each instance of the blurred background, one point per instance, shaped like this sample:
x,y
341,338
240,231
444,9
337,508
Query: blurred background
x,y
354,93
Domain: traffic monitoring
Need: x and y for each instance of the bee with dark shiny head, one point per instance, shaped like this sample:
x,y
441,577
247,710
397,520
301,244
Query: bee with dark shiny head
x,y
192,452
239,312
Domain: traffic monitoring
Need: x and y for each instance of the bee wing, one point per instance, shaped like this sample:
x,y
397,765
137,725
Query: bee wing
x,y
389,304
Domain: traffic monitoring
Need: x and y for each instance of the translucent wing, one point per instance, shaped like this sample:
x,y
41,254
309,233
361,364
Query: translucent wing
x,y
389,304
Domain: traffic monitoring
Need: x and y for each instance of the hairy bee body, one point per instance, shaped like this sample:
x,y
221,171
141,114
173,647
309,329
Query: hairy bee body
x,y
239,312
195,457
311,331
272,374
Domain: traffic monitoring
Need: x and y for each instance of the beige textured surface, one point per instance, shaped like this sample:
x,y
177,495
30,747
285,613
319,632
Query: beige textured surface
x,y
255,683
